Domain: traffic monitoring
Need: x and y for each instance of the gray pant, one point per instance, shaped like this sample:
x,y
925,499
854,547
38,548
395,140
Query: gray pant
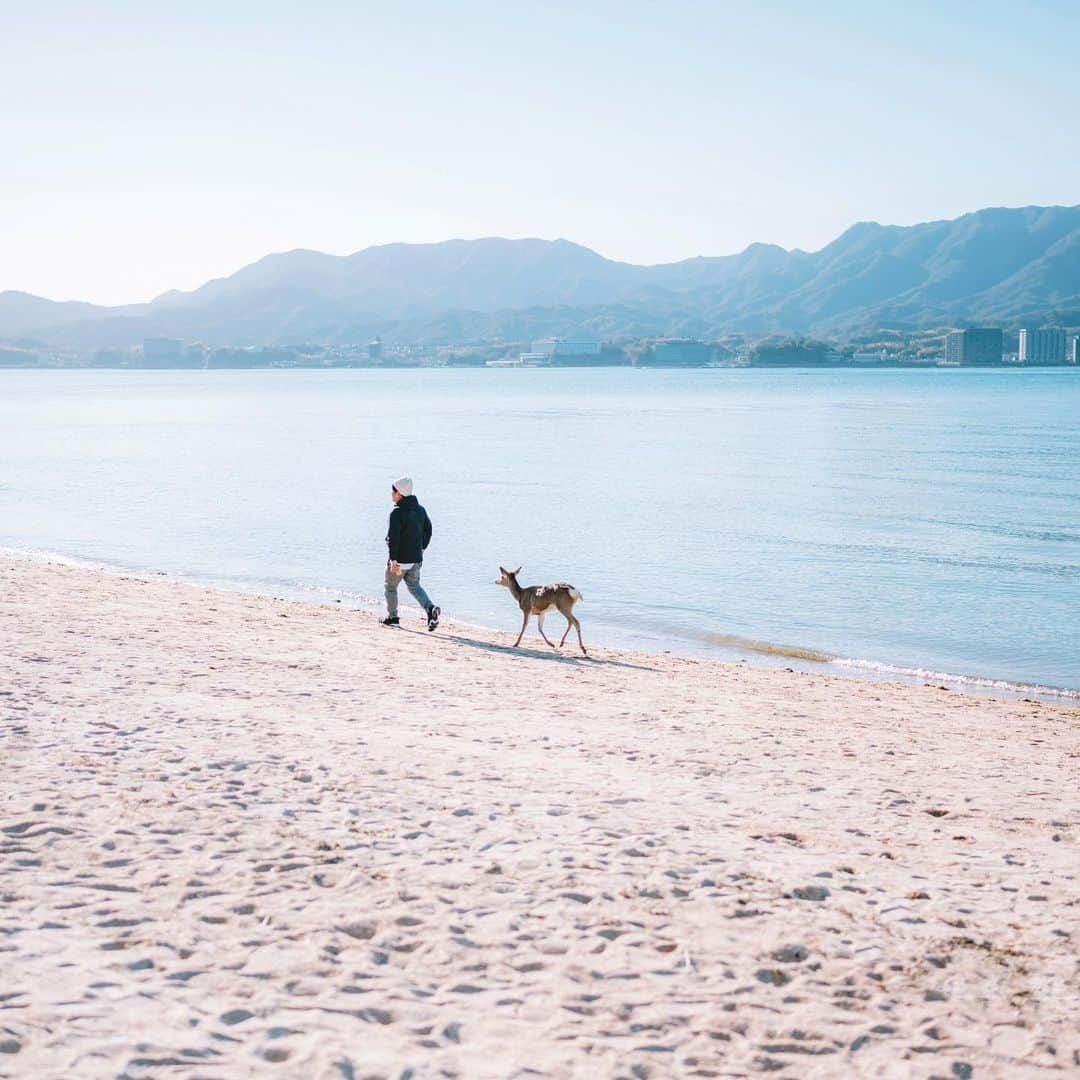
x,y
412,583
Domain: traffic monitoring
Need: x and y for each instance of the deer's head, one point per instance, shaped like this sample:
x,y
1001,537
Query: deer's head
x,y
507,577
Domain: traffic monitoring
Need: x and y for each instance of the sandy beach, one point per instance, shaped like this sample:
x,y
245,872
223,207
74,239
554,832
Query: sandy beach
x,y
248,837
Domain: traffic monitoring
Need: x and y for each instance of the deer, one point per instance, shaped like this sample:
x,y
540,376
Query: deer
x,y
538,600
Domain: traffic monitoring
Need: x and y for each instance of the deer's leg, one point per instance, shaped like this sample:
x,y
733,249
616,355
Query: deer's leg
x,y
577,626
567,612
540,627
524,623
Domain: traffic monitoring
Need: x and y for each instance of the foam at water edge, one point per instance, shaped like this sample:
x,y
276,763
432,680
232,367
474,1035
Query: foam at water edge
x,y
776,651
980,682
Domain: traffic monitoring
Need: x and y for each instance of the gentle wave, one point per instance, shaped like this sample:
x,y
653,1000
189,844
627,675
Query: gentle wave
x,y
769,648
46,557
977,682
816,656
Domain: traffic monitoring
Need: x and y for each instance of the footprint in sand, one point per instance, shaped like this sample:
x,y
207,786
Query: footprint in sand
x,y
791,954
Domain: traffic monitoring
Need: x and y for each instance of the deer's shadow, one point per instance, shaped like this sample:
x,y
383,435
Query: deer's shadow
x,y
548,654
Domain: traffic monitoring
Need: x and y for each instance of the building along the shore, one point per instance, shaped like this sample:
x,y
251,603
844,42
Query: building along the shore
x,y
677,352
572,352
553,347
979,345
1046,345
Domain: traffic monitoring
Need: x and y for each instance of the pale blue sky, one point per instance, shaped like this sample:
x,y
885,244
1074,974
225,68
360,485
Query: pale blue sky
x,y
144,147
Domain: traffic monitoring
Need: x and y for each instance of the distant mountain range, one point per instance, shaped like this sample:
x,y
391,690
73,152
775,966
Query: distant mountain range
x,y
1005,267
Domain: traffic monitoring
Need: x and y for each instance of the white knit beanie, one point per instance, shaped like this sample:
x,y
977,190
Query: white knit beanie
x,y
404,485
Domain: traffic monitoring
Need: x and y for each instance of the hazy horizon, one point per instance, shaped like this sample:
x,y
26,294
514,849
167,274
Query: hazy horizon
x,y
156,151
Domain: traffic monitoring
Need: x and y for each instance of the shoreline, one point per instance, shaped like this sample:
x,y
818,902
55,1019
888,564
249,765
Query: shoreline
x,y
883,366
764,655
242,834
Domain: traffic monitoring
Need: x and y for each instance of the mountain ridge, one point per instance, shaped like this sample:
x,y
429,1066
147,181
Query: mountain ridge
x,y
1002,264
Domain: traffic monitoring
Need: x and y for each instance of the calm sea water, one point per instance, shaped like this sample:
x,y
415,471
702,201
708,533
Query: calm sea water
x,y
926,521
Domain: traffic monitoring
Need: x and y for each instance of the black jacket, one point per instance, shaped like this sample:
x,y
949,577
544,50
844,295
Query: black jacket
x,y
410,531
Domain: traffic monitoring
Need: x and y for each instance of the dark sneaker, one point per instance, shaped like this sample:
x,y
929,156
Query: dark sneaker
x,y
391,620
433,617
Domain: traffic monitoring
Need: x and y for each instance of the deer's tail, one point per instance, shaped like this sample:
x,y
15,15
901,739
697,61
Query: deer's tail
x,y
575,595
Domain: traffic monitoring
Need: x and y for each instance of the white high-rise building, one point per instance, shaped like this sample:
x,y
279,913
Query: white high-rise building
x,y
1043,346
562,347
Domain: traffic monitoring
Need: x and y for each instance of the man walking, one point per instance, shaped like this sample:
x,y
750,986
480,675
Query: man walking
x,y
407,539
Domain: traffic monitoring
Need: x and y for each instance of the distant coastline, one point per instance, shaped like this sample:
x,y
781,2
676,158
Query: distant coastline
x,y
876,289
9,362
978,347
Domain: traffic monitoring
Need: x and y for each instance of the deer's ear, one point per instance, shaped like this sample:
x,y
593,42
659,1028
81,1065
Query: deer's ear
x,y
502,569
518,570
